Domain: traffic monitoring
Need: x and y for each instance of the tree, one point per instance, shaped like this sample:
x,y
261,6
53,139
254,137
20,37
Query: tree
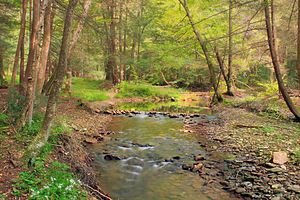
x,y
298,46
48,21
228,80
203,45
20,46
273,51
43,135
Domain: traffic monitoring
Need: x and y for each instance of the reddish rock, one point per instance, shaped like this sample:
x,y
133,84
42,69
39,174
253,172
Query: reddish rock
x,y
280,157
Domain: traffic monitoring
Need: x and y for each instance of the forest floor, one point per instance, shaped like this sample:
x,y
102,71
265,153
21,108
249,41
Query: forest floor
x,y
242,142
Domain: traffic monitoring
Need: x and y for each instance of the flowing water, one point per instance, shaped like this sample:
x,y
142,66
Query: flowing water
x,y
152,151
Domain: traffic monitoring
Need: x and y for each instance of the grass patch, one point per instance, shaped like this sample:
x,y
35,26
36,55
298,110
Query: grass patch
x,y
269,129
88,89
128,89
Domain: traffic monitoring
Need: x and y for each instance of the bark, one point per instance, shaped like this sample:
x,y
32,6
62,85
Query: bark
x,y
125,45
22,67
2,75
298,48
276,65
230,43
29,81
31,67
77,32
108,71
112,54
20,42
203,45
120,27
45,47
43,136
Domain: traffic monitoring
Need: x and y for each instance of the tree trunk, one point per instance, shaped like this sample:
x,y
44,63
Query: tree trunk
x,y
298,48
125,43
45,47
230,43
29,81
272,47
112,53
120,27
20,42
203,45
43,136
2,75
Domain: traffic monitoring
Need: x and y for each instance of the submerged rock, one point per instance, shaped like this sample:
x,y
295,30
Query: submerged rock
x,y
176,157
187,167
199,158
111,157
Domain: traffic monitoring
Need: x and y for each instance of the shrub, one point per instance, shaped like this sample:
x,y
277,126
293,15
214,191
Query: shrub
x,y
145,90
15,103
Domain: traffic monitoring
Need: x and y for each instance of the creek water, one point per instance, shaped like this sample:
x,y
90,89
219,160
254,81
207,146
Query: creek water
x,y
152,152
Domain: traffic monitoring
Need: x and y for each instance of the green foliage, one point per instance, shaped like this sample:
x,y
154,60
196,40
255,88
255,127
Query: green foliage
x,y
269,89
28,132
88,89
3,119
268,129
60,126
292,78
174,107
128,89
296,156
49,182
3,197
15,103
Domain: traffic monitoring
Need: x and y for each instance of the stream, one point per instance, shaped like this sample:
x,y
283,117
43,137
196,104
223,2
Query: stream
x,y
152,151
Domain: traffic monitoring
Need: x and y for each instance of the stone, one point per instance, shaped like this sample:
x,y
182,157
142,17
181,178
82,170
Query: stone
x,y
276,186
186,167
294,188
91,140
280,157
199,158
197,167
276,198
275,170
111,157
176,157
240,190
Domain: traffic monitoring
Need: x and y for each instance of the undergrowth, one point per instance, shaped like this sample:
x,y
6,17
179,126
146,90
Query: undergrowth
x,y
128,89
88,89
47,179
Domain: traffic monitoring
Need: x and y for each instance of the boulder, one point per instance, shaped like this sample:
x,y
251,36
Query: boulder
x,y
280,157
